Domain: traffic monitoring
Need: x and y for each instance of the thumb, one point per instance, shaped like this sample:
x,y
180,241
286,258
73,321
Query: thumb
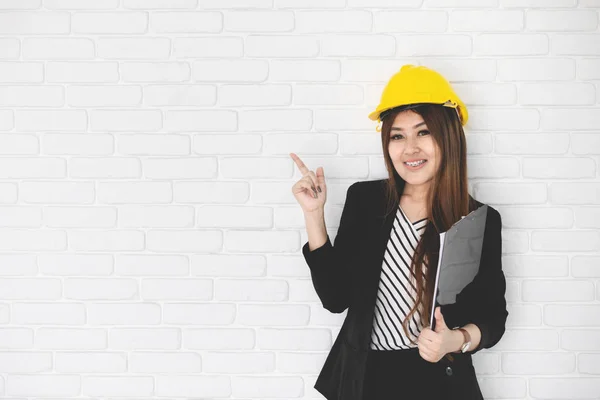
x,y
440,324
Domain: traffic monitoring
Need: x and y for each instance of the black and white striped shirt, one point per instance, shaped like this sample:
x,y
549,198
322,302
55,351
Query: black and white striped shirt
x,y
396,294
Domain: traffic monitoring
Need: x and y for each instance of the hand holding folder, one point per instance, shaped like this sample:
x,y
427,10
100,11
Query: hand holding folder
x,y
459,258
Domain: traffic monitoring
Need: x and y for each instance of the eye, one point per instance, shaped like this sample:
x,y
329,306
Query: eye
x,y
424,131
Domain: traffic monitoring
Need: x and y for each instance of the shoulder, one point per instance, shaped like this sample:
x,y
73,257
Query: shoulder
x,y
492,214
372,186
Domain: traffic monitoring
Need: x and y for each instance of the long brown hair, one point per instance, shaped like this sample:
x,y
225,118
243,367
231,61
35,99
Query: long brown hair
x,y
447,200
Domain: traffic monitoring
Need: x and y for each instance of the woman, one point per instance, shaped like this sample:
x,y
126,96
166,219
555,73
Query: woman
x,y
383,264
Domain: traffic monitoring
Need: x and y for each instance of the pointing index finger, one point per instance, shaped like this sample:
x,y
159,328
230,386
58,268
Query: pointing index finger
x,y
303,169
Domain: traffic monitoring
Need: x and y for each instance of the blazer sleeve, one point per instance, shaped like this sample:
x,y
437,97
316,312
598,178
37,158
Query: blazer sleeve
x,y
490,314
483,302
329,264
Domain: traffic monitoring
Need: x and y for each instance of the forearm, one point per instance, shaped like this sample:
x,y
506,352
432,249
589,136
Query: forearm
x,y
315,229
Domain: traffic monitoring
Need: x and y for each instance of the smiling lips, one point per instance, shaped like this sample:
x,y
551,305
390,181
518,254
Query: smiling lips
x,y
414,164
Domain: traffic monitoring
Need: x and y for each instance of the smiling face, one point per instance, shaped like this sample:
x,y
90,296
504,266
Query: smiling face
x,y
411,141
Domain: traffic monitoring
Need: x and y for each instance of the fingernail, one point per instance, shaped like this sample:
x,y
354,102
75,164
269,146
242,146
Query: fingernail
x,y
319,188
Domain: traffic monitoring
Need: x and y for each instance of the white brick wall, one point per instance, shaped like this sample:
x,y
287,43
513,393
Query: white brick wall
x,y
149,241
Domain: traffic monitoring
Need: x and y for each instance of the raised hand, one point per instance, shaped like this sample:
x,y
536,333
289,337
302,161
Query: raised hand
x,y
310,191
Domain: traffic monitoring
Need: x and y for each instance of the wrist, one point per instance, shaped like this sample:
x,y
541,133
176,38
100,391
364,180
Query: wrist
x,y
459,339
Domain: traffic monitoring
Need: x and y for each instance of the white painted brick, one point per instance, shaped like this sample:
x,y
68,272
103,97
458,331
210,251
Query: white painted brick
x,y
21,5
56,120
252,241
258,21
523,315
492,167
563,20
559,168
105,168
7,122
585,266
385,3
510,44
483,20
557,291
34,23
534,266
30,289
588,69
532,143
150,265
156,216
235,217
587,217
357,45
41,167
8,193
537,339
125,23
557,94
565,240
125,120
144,338
181,241
500,387
486,363
275,120
211,192
238,362
177,289
310,4
100,96
575,44
15,72
75,264
106,362
584,143
536,69
100,289
588,364
460,3
302,290
255,95
333,21
123,313
272,315
357,144
123,48
587,3
343,120
48,313
251,290
193,386
106,240
219,338
155,71
218,47
80,4
575,193
180,168
440,45
199,313
153,144
227,144
228,265
228,70
32,240
284,46
57,48
203,120
328,95
410,21
160,4
10,48
70,339
580,339
302,363
77,72
258,386
179,362
492,94
509,119
561,388
43,385
32,96
571,315
186,22
90,144
134,192
18,264
304,70
16,338
118,386
180,95
20,217
256,167
537,3
80,217
57,192
25,362
514,193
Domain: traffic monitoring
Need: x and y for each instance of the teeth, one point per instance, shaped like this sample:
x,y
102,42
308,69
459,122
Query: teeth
x,y
414,164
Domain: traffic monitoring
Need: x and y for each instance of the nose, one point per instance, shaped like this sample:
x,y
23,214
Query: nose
x,y
411,146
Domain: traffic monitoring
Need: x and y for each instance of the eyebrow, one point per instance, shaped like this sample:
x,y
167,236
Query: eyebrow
x,y
397,128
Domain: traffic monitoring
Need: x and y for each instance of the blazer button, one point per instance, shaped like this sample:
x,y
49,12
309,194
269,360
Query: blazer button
x,y
449,371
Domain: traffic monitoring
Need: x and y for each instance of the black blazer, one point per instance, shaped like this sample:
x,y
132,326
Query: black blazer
x,y
346,276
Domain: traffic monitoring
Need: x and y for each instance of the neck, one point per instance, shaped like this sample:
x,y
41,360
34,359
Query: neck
x,y
417,193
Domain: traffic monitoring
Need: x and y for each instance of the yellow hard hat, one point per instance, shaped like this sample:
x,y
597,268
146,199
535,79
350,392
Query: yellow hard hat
x,y
417,85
